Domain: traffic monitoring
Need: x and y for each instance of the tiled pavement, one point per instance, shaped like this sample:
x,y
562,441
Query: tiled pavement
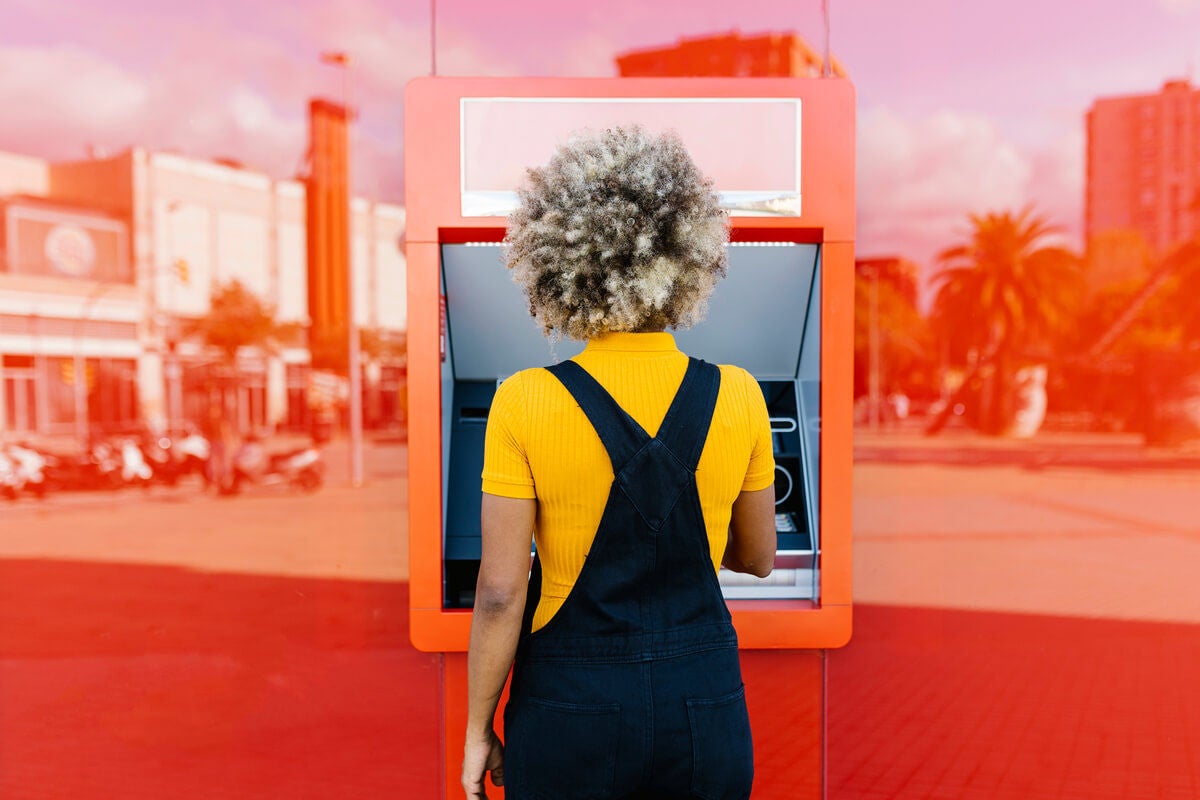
x,y
1021,631
937,703
140,681
1027,623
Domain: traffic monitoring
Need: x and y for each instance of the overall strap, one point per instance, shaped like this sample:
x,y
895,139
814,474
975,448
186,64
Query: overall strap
x,y
621,435
685,427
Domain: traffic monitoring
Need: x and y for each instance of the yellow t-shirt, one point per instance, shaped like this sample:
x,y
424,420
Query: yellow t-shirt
x,y
540,445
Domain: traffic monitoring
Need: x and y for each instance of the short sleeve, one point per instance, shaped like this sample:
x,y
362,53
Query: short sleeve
x,y
506,469
761,472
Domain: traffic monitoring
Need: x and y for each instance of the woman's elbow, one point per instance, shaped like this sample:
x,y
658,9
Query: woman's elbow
x,y
759,567
762,567
494,599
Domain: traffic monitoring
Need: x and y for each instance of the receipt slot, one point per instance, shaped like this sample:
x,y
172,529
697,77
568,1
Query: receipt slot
x,y
780,152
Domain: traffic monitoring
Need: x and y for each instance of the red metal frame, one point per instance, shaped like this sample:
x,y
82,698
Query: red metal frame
x,y
432,107
784,675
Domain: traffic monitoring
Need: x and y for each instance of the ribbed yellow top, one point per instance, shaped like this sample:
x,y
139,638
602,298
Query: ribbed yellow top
x,y
540,445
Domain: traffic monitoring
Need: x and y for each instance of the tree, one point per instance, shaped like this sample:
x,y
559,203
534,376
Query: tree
x,y
905,348
237,319
1139,343
1186,299
1003,297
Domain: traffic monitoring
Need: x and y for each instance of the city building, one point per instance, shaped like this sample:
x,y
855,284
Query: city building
x,y
768,55
1143,166
104,261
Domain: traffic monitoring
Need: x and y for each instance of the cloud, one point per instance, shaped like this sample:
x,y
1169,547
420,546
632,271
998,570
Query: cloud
x,y
591,55
1057,184
59,99
1179,7
918,180
63,99
460,53
250,105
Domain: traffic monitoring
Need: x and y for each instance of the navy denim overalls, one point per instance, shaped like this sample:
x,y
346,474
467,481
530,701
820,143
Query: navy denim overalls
x,y
633,689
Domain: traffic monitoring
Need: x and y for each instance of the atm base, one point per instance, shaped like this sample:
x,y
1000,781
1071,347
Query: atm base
x,y
785,691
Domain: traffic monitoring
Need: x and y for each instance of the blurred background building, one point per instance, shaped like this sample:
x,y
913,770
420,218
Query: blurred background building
x,y
107,264
732,55
1143,165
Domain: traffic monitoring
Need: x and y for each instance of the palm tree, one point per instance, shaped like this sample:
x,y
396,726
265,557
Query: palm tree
x,y
1003,295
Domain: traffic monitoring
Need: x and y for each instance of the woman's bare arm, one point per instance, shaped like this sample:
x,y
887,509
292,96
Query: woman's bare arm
x,y
499,606
499,602
751,547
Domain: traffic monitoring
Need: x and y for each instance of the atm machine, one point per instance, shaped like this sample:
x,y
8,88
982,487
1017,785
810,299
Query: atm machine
x,y
781,155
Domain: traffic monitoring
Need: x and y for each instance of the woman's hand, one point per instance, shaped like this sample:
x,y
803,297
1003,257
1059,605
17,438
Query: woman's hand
x,y
482,754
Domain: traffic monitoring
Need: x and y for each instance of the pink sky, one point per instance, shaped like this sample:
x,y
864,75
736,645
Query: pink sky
x,y
963,106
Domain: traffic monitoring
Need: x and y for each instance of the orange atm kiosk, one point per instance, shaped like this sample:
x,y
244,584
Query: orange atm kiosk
x,y
781,154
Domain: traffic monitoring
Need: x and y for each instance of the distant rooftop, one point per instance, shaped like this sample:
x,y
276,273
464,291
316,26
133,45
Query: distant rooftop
x,y
731,55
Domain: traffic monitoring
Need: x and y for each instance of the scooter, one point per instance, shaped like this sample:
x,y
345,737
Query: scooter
x,y
10,482
157,452
134,469
301,468
193,452
102,468
30,466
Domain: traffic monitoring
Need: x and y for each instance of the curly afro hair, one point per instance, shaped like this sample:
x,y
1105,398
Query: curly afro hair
x,y
618,232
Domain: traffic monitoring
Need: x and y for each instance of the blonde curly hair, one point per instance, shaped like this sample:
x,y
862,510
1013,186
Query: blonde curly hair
x,y
618,232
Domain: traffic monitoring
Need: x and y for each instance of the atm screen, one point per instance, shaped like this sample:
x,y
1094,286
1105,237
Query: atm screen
x,y
764,316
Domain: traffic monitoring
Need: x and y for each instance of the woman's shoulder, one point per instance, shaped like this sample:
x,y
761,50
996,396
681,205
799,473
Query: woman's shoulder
x,y
528,395
735,378
526,383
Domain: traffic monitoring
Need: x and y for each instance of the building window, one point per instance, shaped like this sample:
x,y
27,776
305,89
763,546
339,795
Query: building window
x,y
297,397
392,379
112,395
252,402
20,394
60,392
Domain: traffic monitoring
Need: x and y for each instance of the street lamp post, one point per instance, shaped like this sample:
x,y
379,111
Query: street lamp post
x,y
80,364
170,276
873,387
342,61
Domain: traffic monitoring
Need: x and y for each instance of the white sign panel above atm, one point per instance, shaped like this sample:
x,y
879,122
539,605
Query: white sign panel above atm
x,y
749,146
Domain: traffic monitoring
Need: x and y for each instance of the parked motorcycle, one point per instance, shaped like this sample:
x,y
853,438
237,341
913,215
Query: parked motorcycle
x,y
158,452
30,468
193,452
301,468
103,467
10,483
134,469
80,471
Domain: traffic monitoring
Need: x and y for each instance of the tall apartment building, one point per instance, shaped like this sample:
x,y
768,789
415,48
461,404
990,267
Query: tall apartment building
x,y
1143,165
768,55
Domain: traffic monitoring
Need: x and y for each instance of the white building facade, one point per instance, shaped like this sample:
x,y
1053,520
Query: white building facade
x,y
104,262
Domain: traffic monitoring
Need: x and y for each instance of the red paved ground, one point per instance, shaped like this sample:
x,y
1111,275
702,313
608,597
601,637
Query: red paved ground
x,y
134,681
149,682
962,704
